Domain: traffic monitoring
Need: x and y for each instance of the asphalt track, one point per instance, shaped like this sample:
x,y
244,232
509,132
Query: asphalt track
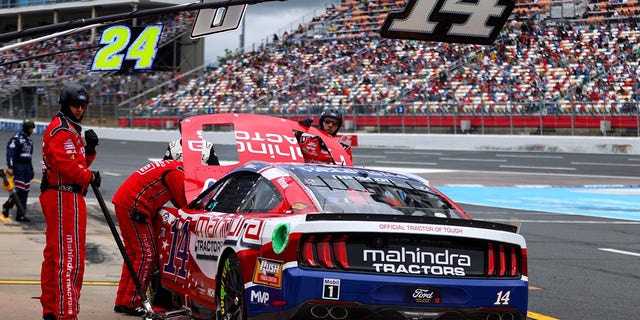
x,y
579,213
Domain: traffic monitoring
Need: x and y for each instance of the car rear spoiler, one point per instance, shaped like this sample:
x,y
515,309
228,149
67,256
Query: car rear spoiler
x,y
411,219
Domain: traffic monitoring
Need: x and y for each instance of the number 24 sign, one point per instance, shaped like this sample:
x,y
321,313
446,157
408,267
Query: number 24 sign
x,y
123,47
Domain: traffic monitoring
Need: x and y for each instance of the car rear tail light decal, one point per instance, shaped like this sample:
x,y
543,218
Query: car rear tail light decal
x,y
340,252
513,263
524,262
324,252
307,252
491,260
503,261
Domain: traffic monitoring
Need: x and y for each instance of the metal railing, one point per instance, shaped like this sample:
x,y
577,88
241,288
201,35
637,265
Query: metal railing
x,y
622,119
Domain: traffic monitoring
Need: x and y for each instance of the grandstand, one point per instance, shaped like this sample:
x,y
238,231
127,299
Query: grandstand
x,y
31,75
558,67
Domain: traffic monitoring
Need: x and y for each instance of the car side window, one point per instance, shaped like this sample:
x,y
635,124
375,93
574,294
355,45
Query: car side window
x,y
230,193
262,198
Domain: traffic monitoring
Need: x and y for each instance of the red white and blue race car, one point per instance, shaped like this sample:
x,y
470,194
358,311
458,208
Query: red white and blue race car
x,y
273,237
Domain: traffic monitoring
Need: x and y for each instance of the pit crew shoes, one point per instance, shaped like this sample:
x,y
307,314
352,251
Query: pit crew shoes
x,y
49,316
139,311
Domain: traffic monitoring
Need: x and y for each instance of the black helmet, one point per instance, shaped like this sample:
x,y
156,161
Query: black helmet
x,y
333,113
184,116
73,93
28,123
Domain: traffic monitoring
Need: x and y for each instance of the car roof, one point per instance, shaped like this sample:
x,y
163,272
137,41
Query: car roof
x,y
326,170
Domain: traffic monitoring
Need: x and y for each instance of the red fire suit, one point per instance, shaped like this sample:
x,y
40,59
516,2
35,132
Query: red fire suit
x,y
66,177
315,151
137,203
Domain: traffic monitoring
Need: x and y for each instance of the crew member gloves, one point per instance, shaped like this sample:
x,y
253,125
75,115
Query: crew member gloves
x,y
91,140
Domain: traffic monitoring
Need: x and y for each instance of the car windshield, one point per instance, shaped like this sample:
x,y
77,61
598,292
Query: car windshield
x,y
365,191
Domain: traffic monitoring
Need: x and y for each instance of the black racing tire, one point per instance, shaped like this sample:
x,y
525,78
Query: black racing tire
x,y
230,299
159,296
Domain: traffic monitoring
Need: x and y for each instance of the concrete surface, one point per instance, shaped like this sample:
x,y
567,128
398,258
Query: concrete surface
x,y
21,258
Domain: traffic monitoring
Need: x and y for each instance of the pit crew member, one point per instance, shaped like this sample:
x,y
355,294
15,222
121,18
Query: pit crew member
x,y
65,180
137,203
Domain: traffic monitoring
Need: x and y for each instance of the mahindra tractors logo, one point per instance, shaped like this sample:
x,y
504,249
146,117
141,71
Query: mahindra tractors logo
x,y
457,21
271,145
416,261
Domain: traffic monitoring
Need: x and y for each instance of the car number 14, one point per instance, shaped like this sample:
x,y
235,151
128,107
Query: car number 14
x,y
503,298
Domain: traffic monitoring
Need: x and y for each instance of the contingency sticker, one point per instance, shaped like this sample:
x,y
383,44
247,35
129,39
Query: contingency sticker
x,y
331,289
268,272
430,295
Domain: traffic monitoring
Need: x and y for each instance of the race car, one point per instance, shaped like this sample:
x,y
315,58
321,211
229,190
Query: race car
x,y
292,240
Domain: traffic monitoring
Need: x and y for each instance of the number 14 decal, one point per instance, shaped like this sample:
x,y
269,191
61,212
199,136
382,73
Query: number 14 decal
x,y
140,46
503,298
179,252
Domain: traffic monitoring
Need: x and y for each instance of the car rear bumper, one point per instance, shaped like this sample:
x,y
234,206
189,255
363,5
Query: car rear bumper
x,y
316,294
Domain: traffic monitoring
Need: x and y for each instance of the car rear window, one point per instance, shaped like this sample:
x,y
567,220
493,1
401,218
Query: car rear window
x,y
372,192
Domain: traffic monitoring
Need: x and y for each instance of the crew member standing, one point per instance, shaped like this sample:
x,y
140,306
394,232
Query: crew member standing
x,y
65,180
313,148
19,164
137,203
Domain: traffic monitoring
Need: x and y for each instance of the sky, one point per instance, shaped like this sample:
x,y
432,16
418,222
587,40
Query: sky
x,y
261,22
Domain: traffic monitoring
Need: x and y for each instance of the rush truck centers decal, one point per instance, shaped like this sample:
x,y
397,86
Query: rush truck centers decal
x,y
268,272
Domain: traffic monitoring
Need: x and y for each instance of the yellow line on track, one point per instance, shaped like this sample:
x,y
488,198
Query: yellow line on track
x,y
537,316
37,282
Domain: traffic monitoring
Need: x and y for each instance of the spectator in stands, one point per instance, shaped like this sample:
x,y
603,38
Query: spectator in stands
x,y
273,79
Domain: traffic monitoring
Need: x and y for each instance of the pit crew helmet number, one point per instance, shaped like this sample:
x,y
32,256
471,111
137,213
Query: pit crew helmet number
x,y
139,44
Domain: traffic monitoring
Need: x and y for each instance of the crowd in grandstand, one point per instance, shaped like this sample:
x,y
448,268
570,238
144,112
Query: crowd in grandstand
x,y
43,60
588,67
338,59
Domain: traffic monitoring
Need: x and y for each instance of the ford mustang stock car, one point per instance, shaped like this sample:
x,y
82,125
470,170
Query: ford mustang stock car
x,y
272,237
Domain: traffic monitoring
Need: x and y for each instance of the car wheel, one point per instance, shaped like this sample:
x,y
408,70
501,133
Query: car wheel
x,y
158,295
230,290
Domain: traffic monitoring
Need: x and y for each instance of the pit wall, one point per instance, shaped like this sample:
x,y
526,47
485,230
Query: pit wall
x,y
465,142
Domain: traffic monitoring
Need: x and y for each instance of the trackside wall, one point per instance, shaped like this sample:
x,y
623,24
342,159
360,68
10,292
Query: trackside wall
x,y
468,142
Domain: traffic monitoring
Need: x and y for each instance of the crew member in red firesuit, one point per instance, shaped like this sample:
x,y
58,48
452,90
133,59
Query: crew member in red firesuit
x,y
65,180
137,203
313,148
